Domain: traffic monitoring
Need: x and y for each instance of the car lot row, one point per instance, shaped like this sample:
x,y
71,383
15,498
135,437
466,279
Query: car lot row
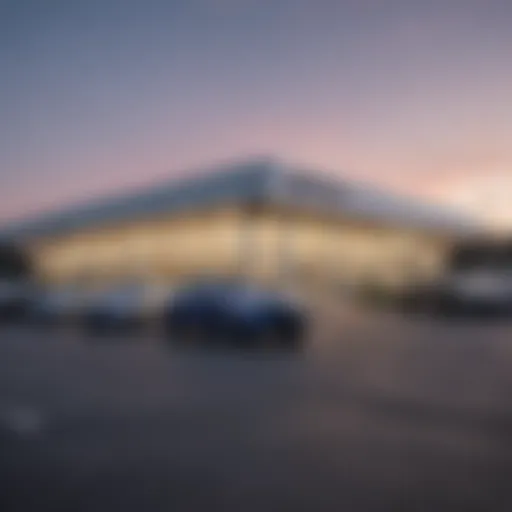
x,y
214,310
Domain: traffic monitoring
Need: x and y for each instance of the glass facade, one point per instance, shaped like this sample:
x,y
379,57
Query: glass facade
x,y
264,244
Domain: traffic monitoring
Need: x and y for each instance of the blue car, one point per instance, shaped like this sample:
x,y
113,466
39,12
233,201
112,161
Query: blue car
x,y
235,312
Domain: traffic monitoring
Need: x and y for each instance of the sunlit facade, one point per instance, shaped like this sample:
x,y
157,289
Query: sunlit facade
x,y
262,220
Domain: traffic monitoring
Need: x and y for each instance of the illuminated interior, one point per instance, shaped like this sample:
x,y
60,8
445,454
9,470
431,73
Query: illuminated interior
x,y
223,241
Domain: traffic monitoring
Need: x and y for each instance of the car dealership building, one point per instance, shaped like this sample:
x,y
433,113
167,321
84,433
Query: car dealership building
x,y
263,219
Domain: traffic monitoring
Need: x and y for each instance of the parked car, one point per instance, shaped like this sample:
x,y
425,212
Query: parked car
x,y
15,300
462,294
234,311
58,305
125,306
475,293
478,280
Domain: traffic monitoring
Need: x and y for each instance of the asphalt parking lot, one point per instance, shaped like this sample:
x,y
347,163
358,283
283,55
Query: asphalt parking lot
x,y
376,413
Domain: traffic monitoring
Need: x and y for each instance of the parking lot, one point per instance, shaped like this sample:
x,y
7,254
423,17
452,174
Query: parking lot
x,y
376,412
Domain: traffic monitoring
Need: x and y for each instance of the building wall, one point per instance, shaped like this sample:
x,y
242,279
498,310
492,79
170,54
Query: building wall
x,y
266,244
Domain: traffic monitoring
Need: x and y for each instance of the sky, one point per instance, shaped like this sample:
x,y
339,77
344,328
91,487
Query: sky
x,y
97,96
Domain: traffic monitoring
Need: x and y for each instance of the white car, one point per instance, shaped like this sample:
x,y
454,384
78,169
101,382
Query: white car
x,y
127,305
476,292
57,305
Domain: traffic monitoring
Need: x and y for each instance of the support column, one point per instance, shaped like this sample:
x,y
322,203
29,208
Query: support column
x,y
285,253
248,242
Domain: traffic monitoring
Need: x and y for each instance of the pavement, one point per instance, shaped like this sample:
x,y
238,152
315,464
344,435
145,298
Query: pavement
x,y
375,413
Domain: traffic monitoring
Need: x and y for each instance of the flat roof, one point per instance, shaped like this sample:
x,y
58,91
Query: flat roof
x,y
265,180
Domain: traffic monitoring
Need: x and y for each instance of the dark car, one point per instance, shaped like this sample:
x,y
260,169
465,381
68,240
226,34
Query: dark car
x,y
236,312
15,301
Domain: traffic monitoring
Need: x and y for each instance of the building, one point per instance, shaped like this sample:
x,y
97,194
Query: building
x,y
260,218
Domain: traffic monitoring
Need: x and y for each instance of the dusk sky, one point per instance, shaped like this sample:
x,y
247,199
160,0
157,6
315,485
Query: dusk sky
x,y
102,95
